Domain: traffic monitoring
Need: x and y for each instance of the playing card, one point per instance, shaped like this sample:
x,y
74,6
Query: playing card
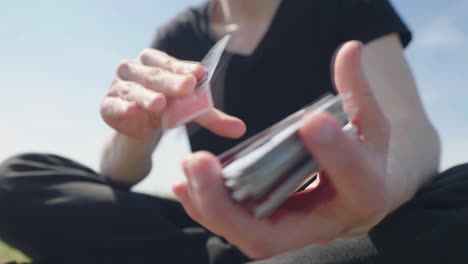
x,y
265,169
183,110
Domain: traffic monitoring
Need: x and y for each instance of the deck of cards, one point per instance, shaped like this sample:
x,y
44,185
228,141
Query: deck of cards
x,y
263,171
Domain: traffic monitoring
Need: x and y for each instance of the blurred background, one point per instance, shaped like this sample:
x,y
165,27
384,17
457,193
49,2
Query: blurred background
x,y
57,59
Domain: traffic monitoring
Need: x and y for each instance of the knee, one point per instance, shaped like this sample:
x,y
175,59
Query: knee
x,y
17,163
20,188
11,171
8,169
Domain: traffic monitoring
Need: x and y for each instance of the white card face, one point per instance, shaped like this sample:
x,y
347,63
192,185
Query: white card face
x,y
265,169
212,59
181,111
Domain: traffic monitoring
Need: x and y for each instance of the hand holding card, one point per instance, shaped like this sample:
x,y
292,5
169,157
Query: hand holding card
x,y
183,110
156,90
263,171
352,194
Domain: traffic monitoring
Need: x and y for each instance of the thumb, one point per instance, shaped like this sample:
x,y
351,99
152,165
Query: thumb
x,y
358,97
209,196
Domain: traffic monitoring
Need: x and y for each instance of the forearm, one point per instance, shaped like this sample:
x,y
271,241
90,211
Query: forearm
x,y
414,147
413,158
127,160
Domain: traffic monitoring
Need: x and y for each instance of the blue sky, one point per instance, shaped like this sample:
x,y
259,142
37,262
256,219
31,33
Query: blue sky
x,y
57,59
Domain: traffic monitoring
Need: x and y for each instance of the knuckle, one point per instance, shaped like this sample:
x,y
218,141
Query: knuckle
x,y
169,64
152,76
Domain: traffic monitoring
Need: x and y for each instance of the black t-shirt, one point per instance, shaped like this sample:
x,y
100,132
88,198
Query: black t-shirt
x,y
291,65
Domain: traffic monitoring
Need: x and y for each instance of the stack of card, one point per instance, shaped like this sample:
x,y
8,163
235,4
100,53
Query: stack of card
x,y
264,170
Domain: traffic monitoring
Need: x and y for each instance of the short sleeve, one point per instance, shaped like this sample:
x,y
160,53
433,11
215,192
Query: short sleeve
x,y
367,20
172,38
181,37
160,41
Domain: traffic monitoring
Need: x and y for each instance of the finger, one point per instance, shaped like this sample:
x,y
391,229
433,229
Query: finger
x,y
182,192
147,99
219,212
114,109
126,117
157,58
348,166
157,79
222,124
358,96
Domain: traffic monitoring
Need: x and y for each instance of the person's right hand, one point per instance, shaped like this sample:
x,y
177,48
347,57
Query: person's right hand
x,y
352,193
142,88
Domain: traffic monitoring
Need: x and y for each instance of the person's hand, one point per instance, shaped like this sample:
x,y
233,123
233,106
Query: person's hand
x,y
143,87
350,197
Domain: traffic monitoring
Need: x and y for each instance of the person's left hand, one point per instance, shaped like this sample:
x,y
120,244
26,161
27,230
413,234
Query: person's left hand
x,y
145,87
349,199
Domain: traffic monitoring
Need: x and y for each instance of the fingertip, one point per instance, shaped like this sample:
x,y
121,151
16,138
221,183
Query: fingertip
x,y
157,104
181,190
197,70
354,45
222,124
347,65
352,49
204,162
187,85
237,129
319,129
241,129
202,170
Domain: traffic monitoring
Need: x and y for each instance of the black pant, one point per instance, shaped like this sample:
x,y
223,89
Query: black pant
x,y
59,211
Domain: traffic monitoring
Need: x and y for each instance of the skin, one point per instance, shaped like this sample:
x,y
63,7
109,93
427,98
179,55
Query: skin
x,y
399,151
134,104
350,198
